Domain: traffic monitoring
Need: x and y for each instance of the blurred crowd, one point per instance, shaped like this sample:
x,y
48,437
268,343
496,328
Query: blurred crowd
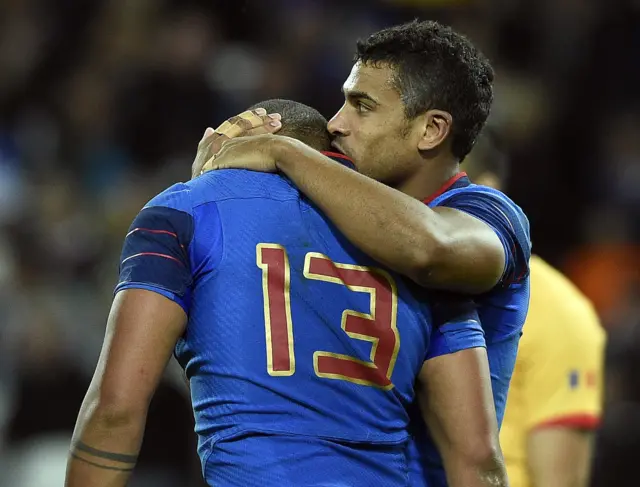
x,y
102,104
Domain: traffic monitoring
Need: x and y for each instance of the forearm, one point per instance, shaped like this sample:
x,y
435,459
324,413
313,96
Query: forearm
x,y
104,448
142,330
559,457
567,475
393,228
564,471
462,473
563,482
480,466
455,397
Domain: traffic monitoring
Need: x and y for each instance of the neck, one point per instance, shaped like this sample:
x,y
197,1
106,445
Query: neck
x,y
428,179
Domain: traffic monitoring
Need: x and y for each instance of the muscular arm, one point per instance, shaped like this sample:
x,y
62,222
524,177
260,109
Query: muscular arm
x,y
559,457
442,248
457,404
142,331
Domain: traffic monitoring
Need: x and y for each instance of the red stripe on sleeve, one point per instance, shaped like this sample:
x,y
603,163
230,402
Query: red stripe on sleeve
x,y
578,421
148,230
154,254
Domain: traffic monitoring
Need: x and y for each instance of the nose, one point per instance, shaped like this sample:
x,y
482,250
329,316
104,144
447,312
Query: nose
x,y
337,126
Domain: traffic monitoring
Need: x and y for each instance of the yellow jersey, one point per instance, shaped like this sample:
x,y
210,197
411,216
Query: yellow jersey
x,y
558,374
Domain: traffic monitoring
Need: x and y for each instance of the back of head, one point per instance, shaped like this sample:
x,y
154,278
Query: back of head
x,y
300,121
436,68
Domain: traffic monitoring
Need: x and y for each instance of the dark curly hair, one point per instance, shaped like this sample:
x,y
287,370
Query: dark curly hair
x,y
437,68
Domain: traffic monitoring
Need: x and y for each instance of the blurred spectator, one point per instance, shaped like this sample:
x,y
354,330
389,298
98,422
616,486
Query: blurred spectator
x,y
169,104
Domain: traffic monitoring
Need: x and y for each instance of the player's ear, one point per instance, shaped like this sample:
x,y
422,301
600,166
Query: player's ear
x,y
437,126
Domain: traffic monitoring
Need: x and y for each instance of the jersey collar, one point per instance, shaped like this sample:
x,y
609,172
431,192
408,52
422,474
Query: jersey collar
x,y
460,180
341,158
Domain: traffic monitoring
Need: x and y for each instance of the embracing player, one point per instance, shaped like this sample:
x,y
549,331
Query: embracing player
x,y
415,102
302,353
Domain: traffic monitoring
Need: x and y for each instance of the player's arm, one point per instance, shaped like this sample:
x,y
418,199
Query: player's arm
x,y
454,394
562,392
148,316
440,248
142,330
455,397
559,456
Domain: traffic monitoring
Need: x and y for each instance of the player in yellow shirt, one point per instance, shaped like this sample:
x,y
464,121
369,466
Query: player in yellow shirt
x,y
554,400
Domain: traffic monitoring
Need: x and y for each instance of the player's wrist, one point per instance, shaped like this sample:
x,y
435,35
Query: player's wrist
x,y
284,151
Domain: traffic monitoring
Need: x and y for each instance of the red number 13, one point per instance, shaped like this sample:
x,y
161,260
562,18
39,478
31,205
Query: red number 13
x,y
378,326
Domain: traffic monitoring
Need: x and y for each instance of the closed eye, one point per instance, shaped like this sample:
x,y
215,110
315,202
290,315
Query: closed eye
x,y
362,108
361,101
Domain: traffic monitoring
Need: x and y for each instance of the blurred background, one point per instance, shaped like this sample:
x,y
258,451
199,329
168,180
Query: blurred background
x,y
102,104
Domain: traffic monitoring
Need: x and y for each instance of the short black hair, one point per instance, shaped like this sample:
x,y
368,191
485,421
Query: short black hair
x,y
437,68
300,121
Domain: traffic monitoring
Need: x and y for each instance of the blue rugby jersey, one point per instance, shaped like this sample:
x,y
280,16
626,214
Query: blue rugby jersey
x,y
301,351
502,310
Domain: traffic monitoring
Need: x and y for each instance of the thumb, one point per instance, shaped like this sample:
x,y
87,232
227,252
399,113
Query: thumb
x,y
210,165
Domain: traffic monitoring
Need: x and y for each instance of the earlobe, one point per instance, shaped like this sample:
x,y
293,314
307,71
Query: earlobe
x,y
436,129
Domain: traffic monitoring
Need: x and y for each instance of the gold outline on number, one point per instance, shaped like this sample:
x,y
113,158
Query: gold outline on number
x,y
368,316
267,310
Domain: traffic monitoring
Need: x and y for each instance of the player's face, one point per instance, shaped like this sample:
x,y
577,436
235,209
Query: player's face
x,y
372,129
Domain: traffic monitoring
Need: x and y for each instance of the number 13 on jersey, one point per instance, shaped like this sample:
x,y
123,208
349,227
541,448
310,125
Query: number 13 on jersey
x,y
378,326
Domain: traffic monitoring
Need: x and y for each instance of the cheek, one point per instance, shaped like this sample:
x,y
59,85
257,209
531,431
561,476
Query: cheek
x,y
377,156
385,144
375,146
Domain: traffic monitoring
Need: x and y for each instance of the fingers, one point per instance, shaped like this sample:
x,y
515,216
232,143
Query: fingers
x,y
214,161
209,165
239,125
207,133
265,129
249,123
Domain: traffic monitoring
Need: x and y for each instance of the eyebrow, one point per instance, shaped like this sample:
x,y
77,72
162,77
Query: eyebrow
x,y
360,95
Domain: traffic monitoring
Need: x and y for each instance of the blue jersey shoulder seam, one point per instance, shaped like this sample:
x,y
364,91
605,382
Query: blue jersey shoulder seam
x,y
231,198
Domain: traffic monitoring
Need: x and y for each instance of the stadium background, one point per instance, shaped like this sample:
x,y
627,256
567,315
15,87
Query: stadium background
x,y
102,104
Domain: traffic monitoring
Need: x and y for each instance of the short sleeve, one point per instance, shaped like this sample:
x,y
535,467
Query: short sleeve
x,y
507,221
155,254
562,369
455,325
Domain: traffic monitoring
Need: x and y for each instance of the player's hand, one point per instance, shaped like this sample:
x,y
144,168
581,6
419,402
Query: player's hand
x,y
253,153
249,123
